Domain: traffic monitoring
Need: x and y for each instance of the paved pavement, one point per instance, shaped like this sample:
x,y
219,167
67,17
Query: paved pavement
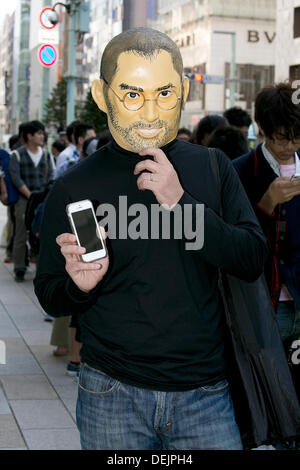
x,y
37,398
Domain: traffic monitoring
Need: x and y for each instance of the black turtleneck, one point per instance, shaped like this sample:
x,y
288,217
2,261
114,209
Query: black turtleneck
x,y
155,320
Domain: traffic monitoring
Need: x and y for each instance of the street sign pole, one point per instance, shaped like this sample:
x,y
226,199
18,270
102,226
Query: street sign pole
x,y
232,65
45,82
78,12
233,70
71,74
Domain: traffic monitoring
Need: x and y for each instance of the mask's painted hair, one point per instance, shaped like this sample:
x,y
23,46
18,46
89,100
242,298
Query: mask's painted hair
x,y
146,42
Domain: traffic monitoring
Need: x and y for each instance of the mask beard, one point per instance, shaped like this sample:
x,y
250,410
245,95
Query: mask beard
x,y
136,142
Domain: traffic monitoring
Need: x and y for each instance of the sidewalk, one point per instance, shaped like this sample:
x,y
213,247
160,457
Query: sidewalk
x,y
37,398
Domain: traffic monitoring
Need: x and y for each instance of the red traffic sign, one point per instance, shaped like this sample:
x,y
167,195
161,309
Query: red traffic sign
x,y
44,18
47,55
198,77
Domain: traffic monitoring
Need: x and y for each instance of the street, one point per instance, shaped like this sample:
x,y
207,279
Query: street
x,y
37,398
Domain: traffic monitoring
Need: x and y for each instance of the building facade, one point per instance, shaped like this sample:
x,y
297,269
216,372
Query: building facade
x,y
216,37
109,18
15,64
22,110
105,22
6,77
288,40
203,30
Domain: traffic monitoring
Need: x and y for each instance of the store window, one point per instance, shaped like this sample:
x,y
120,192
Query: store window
x,y
294,73
251,79
297,22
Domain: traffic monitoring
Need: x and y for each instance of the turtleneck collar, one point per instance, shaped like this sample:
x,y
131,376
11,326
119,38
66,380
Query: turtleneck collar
x,y
166,148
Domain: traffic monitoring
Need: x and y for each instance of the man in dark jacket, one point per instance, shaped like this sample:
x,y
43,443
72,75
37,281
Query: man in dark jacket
x,y
267,174
153,373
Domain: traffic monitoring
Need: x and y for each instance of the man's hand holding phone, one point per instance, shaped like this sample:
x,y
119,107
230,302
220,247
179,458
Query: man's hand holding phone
x,y
280,190
85,275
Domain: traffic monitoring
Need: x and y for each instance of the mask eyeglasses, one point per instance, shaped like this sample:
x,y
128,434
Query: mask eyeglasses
x,y
135,100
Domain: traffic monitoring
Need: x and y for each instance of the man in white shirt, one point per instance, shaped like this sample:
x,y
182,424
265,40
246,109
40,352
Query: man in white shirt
x,y
30,170
81,133
68,152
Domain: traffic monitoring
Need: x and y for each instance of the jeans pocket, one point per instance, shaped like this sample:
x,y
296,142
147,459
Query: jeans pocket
x,y
216,388
95,382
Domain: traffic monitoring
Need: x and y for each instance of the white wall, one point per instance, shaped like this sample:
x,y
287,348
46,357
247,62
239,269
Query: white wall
x,y
261,52
287,48
102,29
201,18
16,63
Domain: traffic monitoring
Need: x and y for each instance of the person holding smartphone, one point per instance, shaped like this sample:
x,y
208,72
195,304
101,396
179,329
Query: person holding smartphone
x,y
153,372
270,175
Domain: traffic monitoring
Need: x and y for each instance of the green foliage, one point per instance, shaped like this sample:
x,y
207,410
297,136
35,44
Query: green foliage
x,y
56,106
92,114
88,111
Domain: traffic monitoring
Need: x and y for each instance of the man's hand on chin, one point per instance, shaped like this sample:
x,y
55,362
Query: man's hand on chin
x,y
160,177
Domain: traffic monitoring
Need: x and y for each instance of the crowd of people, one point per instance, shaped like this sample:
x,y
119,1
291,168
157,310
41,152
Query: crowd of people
x,y
32,169
35,168
267,168
228,132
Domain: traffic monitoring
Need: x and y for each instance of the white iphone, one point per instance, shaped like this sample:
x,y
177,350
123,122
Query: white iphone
x,y
295,177
86,229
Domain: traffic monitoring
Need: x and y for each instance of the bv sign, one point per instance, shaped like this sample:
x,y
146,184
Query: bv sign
x,y
254,36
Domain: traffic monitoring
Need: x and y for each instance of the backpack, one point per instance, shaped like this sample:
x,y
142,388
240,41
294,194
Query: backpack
x,y
12,191
35,199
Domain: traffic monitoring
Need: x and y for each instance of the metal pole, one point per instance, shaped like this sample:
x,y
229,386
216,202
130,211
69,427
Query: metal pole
x,y
45,92
45,84
233,70
232,65
71,74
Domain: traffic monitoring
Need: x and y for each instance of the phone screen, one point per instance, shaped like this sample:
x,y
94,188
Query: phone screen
x,y
86,230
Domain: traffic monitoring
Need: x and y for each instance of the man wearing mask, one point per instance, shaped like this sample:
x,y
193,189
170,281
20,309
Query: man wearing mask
x,y
153,373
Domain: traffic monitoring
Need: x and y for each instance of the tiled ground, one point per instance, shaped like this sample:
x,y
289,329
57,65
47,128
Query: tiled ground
x,y
37,399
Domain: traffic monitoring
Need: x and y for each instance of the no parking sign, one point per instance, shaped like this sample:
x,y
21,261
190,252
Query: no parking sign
x,y
47,55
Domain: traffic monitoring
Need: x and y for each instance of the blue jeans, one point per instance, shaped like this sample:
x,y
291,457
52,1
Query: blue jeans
x,y
114,416
288,319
